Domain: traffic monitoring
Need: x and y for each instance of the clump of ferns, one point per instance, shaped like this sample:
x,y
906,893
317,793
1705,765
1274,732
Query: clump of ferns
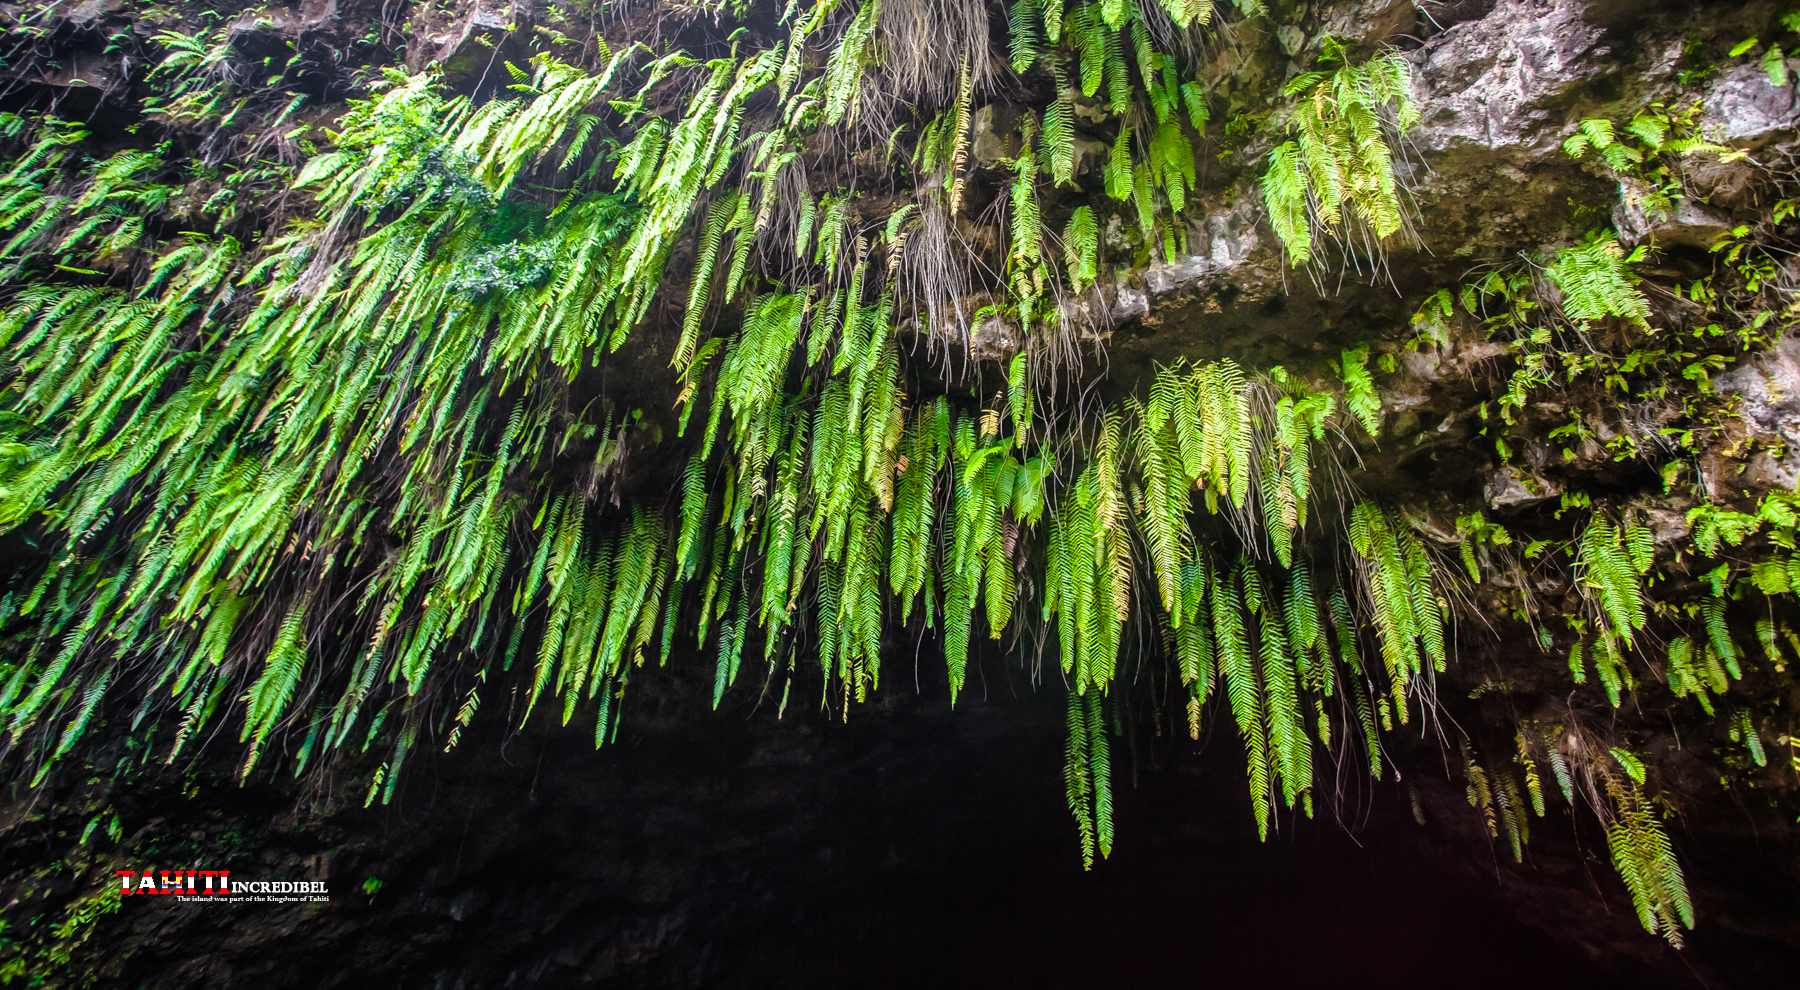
x,y
1611,558
1752,288
1492,789
202,268
1613,780
1508,790
1650,151
1495,563
1570,315
195,79
811,472
1089,47
1586,306
1091,555
1040,271
203,83
1334,179
76,217
407,158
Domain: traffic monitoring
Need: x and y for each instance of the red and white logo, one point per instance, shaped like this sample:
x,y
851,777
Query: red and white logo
x,y
211,883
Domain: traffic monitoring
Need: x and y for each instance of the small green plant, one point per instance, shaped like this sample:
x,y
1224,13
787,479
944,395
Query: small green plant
x,y
1772,60
1596,281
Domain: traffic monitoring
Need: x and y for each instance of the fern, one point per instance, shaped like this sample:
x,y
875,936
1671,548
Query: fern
x,y
1359,389
1119,170
1244,692
270,694
1059,131
1081,247
1743,730
1610,576
1022,37
1290,750
1558,763
1642,855
1719,638
1596,282
1099,773
843,74
1533,785
1078,776
1338,167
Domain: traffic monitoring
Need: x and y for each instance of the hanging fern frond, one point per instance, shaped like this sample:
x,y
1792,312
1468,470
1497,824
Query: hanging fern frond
x,y
1338,167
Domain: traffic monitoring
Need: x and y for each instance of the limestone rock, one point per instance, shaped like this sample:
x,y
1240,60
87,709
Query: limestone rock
x,y
986,144
1508,487
995,339
90,11
1638,219
1728,185
472,51
1371,22
268,31
1495,82
1744,107
1768,391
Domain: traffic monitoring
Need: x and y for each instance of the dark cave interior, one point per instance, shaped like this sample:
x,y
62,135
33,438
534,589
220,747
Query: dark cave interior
x,y
911,846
